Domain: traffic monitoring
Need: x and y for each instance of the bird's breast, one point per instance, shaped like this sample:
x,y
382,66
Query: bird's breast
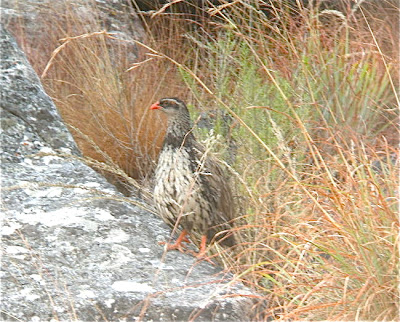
x,y
174,172
178,188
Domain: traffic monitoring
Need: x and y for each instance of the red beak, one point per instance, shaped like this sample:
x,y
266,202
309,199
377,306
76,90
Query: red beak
x,y
155,106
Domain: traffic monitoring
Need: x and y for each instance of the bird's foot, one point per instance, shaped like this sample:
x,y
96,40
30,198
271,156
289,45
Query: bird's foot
x,y
202,254
178,244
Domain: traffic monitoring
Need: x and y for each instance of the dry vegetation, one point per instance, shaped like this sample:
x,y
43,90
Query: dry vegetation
x,y
312,135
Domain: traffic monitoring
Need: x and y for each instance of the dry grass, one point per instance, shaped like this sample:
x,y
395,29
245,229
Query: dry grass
x,y
313,100
334,256
103,85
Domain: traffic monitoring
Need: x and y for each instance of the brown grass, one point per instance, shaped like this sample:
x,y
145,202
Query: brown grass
x,y
103,86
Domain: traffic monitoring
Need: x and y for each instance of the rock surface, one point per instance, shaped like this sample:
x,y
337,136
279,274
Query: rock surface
x,y
37,16
73,248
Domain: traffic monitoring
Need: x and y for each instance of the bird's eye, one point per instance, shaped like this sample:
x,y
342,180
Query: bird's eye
x,y
169,104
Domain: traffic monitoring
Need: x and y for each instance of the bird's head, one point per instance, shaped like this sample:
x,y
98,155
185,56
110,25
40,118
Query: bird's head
x,y
179,123
171,106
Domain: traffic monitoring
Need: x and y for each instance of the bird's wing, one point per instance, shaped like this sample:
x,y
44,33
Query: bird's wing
x,y
215,180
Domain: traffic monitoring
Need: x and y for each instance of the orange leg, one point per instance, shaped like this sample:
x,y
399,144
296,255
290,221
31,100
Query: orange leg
x,y
202,255
178,244
202,250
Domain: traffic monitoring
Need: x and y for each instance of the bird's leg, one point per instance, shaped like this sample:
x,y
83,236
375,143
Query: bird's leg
x,y
178,244
202,255
202,249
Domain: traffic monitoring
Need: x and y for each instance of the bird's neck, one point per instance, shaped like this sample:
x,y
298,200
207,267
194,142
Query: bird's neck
x,y
179,133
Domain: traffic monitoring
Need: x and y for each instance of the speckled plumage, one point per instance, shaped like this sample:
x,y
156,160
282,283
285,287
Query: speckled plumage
x,y
189,185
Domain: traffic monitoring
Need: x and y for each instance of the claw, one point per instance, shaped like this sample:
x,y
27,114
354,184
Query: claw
x,y
202,254
178,244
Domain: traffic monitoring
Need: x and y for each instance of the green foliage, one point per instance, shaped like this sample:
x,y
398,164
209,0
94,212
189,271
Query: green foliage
x,y
350,92
235,78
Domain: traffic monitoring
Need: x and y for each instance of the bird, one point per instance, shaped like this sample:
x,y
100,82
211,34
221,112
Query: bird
x,y
191,189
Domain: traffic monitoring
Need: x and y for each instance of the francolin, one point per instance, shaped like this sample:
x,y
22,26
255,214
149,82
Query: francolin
x,y
191,190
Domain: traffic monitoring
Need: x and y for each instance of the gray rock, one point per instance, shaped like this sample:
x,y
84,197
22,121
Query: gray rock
x,y
73,247
30,21
28,113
